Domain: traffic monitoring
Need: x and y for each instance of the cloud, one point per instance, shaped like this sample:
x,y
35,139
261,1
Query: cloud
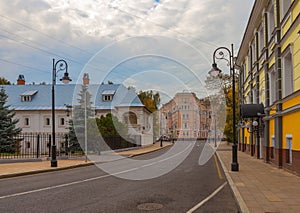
x,y
35,31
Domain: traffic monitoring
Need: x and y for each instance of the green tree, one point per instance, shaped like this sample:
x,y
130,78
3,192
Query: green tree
x,y
4,81
73,141
77,124
228,131
109,125
8,129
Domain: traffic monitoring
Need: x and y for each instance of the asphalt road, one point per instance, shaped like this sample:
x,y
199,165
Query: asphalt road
x,y
89,189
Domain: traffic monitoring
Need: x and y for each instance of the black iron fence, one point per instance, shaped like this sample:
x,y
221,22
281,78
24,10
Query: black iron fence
x,y
34,145
38,145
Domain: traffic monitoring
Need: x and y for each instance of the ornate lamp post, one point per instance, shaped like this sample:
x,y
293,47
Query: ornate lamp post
x,y
65,79
215,71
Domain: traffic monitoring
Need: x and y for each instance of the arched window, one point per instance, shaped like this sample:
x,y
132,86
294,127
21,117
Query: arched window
x,y
130,118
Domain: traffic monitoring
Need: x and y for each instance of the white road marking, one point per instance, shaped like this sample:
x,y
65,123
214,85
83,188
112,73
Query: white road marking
x,y
89,179
207,199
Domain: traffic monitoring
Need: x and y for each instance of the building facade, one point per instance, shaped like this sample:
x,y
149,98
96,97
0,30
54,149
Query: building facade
x,y
33,106
185,117
269,58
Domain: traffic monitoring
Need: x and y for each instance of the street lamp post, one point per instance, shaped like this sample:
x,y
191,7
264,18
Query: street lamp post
x,y
65,79
215,71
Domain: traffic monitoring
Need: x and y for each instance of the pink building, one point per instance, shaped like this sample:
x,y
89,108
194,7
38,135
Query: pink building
x,y
185,116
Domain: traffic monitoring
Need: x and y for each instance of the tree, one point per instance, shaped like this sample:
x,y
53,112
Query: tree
x,y
228,131
77,124
4,81
150,100
109,125
223,83
73,141
8,130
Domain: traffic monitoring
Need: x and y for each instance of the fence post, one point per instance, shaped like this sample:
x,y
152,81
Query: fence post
x,y
38,146
49,145
66,145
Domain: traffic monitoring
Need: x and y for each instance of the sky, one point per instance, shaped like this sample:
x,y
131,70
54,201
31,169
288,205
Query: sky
x,y
162,45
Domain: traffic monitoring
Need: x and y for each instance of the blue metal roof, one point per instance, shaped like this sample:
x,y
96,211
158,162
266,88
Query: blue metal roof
x,y
67,94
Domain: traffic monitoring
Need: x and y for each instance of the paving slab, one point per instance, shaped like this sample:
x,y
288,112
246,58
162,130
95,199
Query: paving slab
x,y
259,186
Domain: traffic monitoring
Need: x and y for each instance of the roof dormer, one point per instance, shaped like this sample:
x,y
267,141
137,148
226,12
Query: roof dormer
x,y
107,95
27,96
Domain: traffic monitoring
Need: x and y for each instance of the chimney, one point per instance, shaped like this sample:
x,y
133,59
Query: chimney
x,y
21,80
86,79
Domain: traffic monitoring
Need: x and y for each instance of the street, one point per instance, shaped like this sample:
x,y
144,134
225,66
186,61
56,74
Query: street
x,y
88,189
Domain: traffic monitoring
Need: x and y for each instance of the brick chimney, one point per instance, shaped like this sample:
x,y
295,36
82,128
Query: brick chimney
x,y
21,80
86,79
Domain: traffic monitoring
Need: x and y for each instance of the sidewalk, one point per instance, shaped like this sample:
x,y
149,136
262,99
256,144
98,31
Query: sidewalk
x,y
258,186
26,168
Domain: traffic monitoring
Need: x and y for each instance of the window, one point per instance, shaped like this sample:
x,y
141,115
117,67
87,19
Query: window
x,y
287,68
249,61
186,125
254,91
253,55
261,43
272,88
27,96
26,121
285,5
271,21
107,97
130,118
47,121
62,121
273,147
289,149
244,73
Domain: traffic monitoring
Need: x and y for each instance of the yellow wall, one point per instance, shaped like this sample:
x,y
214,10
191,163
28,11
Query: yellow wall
x,y
290,125
290,103
247,135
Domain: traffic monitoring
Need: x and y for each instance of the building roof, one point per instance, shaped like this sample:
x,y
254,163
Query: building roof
x,y
67,94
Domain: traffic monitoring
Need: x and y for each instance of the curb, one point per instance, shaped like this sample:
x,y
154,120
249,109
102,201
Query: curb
x,y
44,171
238,197
133,155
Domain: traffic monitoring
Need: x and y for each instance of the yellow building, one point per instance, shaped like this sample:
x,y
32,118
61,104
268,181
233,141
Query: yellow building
x,y
269,57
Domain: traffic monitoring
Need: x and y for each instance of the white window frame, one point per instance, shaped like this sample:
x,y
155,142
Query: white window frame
x,y
287,73
261,39
272,83
271,20
273,145
284,7
254,95
107,98
27,121
289,146
46,120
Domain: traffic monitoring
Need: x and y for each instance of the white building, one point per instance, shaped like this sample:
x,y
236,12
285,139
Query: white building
x,y
33,104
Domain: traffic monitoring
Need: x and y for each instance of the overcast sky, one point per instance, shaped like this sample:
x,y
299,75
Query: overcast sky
x,y
149,44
